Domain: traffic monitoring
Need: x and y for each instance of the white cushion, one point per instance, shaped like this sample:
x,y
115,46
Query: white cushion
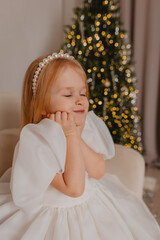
x,y
8,140
129,166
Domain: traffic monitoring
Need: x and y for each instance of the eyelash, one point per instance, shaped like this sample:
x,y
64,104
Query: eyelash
x,y
84,95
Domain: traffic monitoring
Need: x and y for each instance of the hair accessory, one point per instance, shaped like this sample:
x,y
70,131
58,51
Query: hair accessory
x,y
43,63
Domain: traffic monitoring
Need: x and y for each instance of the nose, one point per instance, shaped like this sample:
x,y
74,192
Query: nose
x,y
79,100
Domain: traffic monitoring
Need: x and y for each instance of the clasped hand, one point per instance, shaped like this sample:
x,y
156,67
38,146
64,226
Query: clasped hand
x,y
67,122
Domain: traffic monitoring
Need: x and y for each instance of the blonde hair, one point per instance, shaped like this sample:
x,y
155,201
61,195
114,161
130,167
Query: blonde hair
x,y
32,106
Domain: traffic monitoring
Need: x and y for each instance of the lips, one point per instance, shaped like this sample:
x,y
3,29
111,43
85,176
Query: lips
x,y
79,111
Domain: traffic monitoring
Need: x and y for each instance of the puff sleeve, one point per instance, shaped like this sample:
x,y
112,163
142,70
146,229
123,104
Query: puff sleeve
x,y
39,155
96,134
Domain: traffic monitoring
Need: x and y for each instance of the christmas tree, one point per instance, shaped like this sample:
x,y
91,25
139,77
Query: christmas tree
x,y
98,41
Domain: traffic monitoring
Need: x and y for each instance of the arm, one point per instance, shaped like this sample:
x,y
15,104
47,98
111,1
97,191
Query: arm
x,y
94,163
72,181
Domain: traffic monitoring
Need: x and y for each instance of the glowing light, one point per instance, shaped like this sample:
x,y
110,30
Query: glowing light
x,y
90,47
99,102
108,22
112,7
105,2
96,54
78,36
116,44
105,118
109,15
94,68
79,52
103,33
89,70
121,35
94,106
97,23
129,80
73,44
108,35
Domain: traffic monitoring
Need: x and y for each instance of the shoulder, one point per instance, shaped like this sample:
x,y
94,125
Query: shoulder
x,y
46,128
93,121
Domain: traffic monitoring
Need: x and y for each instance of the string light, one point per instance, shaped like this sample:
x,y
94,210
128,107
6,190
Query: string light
x,y
73,26
103,33
90,47
105,2
78,36
109,15
105,18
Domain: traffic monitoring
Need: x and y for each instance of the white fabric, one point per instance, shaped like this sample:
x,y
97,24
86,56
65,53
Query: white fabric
x,y
33,209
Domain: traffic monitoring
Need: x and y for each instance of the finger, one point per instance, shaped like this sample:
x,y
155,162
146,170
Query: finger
x,y
58,116
52,116
64,116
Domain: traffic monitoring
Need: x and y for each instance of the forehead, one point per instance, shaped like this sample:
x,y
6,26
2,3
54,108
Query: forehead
x,y
68,77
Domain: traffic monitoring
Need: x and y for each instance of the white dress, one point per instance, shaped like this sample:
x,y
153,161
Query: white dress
x,y
31,209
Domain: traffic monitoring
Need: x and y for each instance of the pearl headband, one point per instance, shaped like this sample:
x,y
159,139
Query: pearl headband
x,y
43,63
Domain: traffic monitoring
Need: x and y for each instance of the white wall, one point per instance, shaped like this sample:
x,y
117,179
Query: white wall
x,y
28,29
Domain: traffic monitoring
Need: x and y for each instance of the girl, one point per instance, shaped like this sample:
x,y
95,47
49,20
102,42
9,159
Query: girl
x,y
58,188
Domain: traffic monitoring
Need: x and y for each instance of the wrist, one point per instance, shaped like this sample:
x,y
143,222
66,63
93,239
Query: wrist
x,y
72,134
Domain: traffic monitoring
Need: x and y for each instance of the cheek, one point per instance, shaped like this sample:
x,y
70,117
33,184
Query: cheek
x,y
60,104
86,103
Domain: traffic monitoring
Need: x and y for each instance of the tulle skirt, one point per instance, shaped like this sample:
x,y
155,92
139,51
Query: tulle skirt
x,y
106,211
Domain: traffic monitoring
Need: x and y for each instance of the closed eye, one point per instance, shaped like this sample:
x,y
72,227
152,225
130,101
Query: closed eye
x,y
71,95
67,95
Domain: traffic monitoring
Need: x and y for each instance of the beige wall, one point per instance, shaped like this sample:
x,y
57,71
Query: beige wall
x,y
28,29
